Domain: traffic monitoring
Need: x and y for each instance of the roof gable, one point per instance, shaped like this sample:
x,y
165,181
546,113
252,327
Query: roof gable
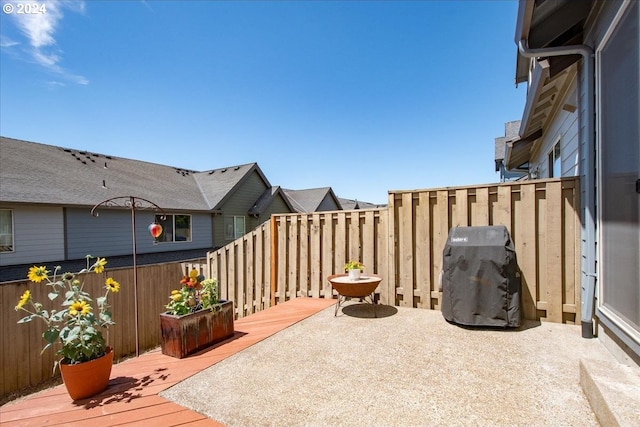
x,y
267,198
217,185
310,200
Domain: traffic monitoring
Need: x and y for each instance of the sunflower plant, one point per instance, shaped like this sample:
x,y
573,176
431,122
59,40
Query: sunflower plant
x,y
77,327
196,293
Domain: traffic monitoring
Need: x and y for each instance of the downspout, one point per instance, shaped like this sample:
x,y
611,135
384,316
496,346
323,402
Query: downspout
x,y
587,178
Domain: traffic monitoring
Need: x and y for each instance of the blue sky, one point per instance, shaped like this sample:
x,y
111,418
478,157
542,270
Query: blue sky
x,y
365,97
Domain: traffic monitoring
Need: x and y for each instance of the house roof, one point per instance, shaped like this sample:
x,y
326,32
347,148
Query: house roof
x,y
265,200
351,204
309,200
40,173
510,132
544,24
519,150
217,185
549,23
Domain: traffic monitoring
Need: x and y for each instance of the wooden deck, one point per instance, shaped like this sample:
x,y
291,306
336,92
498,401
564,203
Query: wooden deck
x,y
132,396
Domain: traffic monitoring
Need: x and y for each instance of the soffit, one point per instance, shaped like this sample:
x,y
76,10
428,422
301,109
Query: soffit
x,y
544,99
549,23
518,151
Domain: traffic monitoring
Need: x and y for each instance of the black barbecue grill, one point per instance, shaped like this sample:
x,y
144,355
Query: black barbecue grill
x,y
480,279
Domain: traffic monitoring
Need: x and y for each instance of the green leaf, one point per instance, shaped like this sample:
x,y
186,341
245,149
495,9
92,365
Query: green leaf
x,y
73,334
26,319
58,316
51,335
52,296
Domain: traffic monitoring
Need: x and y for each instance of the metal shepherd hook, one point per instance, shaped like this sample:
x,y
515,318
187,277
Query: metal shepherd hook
x,y
132,203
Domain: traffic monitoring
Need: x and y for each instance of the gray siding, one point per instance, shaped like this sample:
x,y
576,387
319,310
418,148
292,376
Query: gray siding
x,y
38,235
109,234
564,127
239,204
277,206
327,204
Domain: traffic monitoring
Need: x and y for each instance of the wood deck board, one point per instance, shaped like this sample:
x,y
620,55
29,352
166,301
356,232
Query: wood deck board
x,y
132,396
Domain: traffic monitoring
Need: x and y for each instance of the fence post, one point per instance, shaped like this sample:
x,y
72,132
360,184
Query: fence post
x,y
274,259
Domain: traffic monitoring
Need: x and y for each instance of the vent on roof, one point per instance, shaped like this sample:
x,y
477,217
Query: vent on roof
x,y
104,184
108,157
211,172
224,170
105,165
236,168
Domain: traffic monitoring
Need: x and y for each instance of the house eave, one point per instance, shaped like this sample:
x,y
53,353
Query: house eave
x,y
518,151
549,23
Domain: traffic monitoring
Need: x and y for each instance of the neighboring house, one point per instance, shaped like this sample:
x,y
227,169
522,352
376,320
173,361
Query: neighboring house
x,y
580,60
47,193
510,134
313,200
350,204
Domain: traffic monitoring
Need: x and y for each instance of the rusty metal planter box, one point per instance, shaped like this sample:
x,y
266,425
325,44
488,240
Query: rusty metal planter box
x,y
185,335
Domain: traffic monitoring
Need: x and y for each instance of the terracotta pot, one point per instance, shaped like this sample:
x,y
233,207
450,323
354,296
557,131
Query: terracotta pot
x,y
88,378
185,335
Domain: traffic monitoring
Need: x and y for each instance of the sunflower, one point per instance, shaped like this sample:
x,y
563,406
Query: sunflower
x,y
38,274
112,285
99,265
25,298
79,307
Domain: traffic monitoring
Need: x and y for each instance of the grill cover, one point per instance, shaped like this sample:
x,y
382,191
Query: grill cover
x,y
480,279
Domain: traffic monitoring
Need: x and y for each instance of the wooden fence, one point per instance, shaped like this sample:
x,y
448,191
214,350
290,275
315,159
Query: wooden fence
x,y
292,255
20,344
403,243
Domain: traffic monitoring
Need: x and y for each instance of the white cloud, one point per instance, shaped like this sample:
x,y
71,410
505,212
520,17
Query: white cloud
x,y
40,29
7,42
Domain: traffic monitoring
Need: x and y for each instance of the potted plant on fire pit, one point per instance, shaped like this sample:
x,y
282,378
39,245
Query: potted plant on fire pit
x,y
86,360
354,268
196,318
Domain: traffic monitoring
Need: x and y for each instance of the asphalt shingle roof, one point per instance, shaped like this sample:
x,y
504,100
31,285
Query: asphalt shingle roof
x,y
307,200
39,173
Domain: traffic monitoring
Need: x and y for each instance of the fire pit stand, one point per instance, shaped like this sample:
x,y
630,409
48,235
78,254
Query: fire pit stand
x,y
361,288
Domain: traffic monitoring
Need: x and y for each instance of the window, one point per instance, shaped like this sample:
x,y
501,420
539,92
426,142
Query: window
x,y
175,228
233,227
555,162
6,230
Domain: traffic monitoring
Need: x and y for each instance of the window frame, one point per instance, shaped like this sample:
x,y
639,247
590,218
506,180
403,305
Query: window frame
x,y
172,219
231,227
12,229
554,161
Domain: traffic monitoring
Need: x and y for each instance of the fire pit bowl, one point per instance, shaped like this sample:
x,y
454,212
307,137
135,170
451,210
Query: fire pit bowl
x,y
347,288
